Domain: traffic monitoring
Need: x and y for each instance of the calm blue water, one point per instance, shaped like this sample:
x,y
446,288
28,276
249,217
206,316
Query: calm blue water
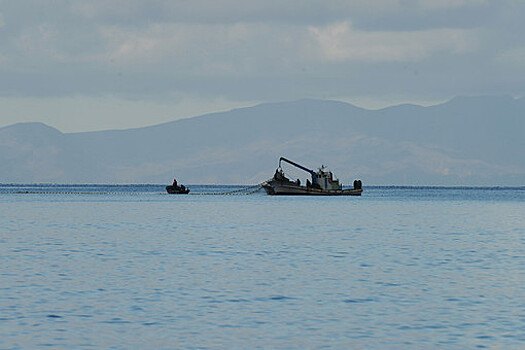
x,y
91,266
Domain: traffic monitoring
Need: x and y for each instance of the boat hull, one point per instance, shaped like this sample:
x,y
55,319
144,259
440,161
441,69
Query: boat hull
x,y
276,188
177,190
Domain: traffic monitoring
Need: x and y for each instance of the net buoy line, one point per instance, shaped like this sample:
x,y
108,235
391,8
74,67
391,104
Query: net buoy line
x,y
241,191
72,192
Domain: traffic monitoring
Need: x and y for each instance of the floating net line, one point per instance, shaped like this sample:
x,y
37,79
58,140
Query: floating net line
x,y
238,192
241,191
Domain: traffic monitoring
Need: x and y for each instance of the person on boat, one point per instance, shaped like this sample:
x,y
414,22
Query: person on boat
x,y
279,175
175,183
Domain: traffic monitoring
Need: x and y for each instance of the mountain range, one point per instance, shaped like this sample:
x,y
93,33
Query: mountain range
x,y
467,141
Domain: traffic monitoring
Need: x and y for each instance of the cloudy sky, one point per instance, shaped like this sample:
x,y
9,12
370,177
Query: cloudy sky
x,y
94,65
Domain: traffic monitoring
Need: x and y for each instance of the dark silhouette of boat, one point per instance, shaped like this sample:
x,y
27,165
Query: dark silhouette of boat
x,y
323,183
177,189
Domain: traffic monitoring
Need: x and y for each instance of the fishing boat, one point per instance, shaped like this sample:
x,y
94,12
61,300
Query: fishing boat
x,y
174,189
323,183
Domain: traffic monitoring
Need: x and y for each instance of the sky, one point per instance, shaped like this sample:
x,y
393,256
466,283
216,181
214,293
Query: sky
x,y
115,64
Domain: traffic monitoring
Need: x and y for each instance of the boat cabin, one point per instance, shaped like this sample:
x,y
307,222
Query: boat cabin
x,y
325,180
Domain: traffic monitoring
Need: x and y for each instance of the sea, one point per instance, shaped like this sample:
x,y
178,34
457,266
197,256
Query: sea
x,y
131,267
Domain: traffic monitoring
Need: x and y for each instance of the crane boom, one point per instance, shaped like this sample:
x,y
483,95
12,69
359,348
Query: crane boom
x,y
297,165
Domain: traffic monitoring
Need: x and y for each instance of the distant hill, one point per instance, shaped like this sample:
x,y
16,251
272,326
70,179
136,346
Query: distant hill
x,y
466,141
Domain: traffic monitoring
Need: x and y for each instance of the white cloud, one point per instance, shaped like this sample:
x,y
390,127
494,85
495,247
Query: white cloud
x,y
41,41
250,48
193,47
340,42
204,49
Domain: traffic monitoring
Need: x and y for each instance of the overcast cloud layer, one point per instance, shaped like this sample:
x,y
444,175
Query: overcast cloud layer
x,y
86,65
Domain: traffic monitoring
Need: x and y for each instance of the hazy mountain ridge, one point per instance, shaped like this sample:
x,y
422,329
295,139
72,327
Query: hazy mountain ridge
x,y
466,141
